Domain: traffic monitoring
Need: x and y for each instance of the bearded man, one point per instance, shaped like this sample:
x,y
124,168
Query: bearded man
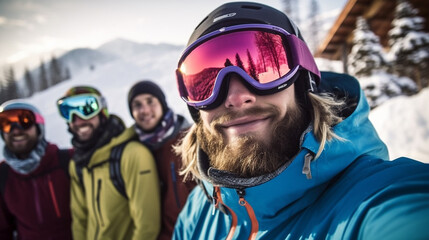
x,y
281,150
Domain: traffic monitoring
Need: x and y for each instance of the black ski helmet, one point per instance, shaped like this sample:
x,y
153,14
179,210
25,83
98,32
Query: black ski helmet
x,y
236,13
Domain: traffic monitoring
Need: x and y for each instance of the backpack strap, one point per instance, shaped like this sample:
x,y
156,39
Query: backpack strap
x,y
4,170
64,156
115,168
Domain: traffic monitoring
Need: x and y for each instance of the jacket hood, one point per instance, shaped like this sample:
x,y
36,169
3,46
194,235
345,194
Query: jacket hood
x,y
291,186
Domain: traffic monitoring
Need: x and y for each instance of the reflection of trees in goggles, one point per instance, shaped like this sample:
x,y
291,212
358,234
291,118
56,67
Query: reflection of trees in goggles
x,y
265,56
85,106
21,118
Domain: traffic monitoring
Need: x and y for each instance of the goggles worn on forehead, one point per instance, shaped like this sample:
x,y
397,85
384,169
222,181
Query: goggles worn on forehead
x,y
265,56
21,118
86,106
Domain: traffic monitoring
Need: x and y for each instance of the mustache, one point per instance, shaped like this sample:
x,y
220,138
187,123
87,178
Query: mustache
x,y
269,111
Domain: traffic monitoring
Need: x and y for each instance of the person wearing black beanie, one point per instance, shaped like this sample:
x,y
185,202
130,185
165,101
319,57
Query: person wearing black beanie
x,y
159,128
148,87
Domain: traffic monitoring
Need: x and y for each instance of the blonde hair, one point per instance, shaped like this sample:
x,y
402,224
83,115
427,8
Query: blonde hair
x,y
325,115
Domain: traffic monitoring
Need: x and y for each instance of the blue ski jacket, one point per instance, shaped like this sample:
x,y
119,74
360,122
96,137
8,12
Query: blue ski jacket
x,y
354,191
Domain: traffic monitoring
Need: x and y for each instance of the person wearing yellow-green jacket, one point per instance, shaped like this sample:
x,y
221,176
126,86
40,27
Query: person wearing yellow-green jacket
x,y
101,210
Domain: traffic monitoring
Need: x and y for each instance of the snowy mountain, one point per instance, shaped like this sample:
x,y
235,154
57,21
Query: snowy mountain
x,y
78,59
117,70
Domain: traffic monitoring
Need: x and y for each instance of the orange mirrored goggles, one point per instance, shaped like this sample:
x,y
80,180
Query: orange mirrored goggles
x,y
21,118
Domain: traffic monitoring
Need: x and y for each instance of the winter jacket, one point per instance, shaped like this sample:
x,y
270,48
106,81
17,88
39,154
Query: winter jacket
x,y
99,211
354,191
37,205
174,191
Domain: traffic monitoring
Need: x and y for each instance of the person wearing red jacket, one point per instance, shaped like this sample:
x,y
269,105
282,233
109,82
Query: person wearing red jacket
x,y
34,186
159,128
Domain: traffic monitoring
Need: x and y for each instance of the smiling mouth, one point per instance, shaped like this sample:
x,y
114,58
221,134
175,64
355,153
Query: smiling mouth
x,y
243,122
245,126
18,138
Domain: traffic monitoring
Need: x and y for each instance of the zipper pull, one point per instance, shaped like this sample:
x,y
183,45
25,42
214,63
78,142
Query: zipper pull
x,y
306,169
241,193
215,201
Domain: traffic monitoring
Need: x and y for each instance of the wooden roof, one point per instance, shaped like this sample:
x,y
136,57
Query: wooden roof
x,y
379,14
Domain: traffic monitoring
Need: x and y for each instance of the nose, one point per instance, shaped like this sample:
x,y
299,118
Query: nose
x,y
238,95
77,119
145,109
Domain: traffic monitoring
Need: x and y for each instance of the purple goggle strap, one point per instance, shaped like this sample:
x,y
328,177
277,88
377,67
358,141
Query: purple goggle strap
x,y
302,55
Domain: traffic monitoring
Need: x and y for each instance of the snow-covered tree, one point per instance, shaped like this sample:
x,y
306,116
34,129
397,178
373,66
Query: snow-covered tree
x,y
382,86
291,8
43,77
367,62
2,91
366,55
29,82
55,71
409,44
314,27
11,88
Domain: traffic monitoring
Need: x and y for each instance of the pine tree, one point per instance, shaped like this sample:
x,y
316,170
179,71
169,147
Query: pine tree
x,y
366,55
367,62
409,44
43,77
55,71
292,10
11,88
2,91
314,27
67,74
252,67
29,82
238,61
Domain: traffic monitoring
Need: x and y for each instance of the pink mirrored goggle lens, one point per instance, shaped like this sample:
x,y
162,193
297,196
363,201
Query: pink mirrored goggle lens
x,y
260,54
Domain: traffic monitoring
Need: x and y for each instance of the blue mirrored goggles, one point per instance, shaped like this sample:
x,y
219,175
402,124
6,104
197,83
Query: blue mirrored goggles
x,y
85,106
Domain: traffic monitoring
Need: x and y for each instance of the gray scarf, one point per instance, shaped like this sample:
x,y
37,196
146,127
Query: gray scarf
x,y
26,166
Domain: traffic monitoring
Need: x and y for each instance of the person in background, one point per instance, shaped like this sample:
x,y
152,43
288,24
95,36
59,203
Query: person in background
x,y
34,181
114,193
159,128
284,151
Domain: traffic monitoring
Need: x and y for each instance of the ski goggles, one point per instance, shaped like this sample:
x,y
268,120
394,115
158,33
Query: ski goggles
x,y
22,118
266,57
86,106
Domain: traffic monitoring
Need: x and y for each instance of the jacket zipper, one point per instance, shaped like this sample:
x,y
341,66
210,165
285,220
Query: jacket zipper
x,y
54,199
173,175
306,169
250,212
217,200
93,202
37,201
98,202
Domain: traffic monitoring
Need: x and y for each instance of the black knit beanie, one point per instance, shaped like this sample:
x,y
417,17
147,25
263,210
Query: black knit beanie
x,y
147,86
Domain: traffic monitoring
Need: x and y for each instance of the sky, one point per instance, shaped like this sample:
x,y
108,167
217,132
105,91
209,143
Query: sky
x,y
31,28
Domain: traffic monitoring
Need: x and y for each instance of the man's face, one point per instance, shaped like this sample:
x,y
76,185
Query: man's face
x,y
250,134
84,129
147,111
20,141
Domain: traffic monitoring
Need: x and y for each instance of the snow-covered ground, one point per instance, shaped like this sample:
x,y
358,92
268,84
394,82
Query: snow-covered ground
x,y
403,124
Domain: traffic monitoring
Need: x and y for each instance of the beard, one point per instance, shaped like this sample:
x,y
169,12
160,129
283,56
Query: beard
x,y
23,149
247,156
